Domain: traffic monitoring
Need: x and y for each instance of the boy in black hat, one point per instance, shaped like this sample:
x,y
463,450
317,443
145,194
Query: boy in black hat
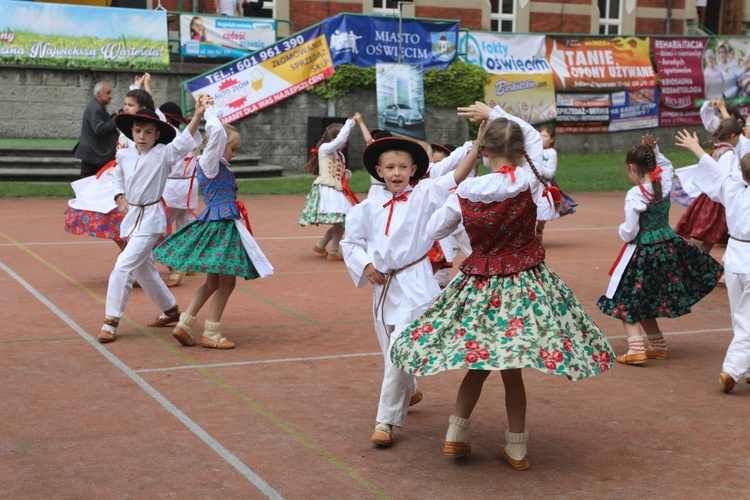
x,y
386,244
140,177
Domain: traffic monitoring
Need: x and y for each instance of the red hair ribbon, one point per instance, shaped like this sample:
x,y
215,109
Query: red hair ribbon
x,y
392,203
508,170
314,151
106,167
555,192
243,211
655,174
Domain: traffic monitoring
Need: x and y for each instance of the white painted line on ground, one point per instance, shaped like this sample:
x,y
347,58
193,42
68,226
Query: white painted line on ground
x,y
259,362
196,429
361,355
108,242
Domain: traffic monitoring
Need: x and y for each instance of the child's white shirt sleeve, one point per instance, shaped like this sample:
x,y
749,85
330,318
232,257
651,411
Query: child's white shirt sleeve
x,y
445,220
548,168
119,177
729,164
354,244
667,174
330,148
217,142
709,118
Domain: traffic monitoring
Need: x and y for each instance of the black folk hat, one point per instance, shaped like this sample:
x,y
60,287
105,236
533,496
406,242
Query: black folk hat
x,y
445,148
125,121
371,155
173,111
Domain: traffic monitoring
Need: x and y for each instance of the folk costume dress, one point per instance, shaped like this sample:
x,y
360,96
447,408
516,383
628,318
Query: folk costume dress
x,y
93,212
705,220
548,169
658,274
219,240
330,198
506,309
181,191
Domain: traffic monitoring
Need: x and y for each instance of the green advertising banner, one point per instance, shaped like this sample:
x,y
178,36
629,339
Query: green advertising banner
x,y
44,34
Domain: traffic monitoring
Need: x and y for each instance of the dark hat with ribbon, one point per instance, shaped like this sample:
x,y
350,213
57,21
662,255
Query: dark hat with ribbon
x,y
371,155
173,111
445,148
125,121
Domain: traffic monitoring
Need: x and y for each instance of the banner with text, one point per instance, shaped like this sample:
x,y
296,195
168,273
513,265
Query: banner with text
x,y
678,63
365,41
607,112
600,64
264,78
45,34
521,78
227,37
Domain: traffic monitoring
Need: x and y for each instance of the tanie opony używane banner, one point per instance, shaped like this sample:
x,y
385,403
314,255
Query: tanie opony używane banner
x,y
267,77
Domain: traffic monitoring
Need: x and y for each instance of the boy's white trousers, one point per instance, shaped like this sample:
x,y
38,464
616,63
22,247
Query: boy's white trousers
x,y
737,360
136,262
398,386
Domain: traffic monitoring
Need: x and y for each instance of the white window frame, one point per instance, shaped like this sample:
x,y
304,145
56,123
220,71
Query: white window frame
x,y
500,17
606,22
384,10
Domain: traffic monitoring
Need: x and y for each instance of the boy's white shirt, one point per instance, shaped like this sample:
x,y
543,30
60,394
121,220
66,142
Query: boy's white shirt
x,y
636,202
211,158
535,149
450,163
142,177
413,289
723,187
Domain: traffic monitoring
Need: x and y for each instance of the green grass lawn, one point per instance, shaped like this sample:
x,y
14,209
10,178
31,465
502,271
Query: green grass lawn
x,y
575,173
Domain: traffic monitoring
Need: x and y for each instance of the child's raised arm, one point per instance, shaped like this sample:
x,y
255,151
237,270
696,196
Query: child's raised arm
x,y
683,139
468,161
330,148
363,128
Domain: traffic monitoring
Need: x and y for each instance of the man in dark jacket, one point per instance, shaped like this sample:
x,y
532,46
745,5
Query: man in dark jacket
x,y
98,140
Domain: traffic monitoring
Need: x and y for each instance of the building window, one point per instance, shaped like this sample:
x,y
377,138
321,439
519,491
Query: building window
x,y
503,15
385,8
610,17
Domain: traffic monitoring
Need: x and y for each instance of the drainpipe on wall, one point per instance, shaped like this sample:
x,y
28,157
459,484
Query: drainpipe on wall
x,y
668,20
196,8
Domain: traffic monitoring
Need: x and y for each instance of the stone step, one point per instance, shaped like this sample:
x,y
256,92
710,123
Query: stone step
x,y
29,174
54,152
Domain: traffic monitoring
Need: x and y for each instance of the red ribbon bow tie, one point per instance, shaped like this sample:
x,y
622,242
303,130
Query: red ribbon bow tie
x,y
392,203
508,170
245,215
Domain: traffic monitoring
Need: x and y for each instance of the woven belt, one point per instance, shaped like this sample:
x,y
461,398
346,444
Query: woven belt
x,y
387,285
743,241
140,214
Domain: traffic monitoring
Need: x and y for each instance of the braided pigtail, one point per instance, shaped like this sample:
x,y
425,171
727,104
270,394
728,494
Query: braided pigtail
x,y
655,181
553,190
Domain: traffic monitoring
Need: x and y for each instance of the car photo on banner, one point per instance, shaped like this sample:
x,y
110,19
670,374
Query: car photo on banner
x,y
400,90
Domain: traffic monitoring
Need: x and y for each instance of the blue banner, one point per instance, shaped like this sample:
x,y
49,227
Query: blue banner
x,y
365,41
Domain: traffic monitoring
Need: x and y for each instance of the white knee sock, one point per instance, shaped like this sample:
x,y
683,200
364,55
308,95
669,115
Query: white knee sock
x,y
516,444
212,330
458,430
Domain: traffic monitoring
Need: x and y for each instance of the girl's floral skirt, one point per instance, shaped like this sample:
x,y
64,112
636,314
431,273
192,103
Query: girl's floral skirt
x,y
662,280
526,320
312,217
207,247
94,224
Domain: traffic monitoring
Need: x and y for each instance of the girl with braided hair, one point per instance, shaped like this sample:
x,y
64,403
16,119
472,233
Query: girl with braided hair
x,y
657,274
506,310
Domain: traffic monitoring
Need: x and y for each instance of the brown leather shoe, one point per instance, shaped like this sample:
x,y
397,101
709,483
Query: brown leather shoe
x,y
222,343
632,359
319,251
183,337
105,337
383,435
456,449
653,353
522,464
175,278
726,382
173,316
416,398
334,256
